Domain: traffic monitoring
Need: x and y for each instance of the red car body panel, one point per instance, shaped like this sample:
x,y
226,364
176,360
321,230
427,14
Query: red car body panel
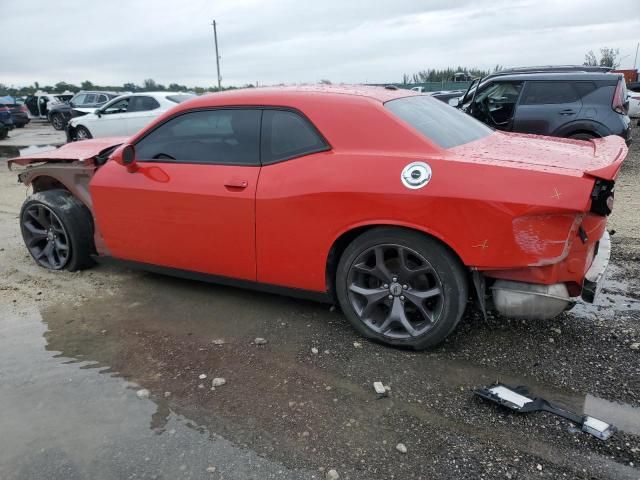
x,y
509,205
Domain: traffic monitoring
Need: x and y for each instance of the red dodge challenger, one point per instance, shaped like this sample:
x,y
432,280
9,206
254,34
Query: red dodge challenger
x,y
397,206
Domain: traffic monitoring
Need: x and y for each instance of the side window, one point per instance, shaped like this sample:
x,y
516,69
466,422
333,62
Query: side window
x,y
286,135
118,107
90,98
548,93
223,137
142,104
78,99
101,99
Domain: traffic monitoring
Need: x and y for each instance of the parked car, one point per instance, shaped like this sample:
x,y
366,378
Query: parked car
x,y
450,97
39,104
6,122
634,103
389,202
581,103
123,115
82,103
18,110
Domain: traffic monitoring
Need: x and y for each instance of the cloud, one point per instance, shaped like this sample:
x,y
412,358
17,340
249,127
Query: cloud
x,y
293,41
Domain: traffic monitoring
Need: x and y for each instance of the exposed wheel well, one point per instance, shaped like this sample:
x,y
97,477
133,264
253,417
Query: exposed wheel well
x,y
341,243
45,182
583,131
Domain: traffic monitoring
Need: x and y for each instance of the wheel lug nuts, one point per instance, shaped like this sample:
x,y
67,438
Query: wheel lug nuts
x,y
386,285
405,286
390,297
402,297
395,279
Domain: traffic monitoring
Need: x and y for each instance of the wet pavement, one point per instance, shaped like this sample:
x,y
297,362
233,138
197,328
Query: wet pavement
x,y
70,372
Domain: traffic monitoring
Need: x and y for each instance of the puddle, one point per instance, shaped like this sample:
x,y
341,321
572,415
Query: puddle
x,y
10,151
625,417
612,299
70,371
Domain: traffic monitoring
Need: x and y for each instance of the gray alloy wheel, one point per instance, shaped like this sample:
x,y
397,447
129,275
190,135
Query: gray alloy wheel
x,y
82,133
395,291
401,287
57,229
45,237
57,121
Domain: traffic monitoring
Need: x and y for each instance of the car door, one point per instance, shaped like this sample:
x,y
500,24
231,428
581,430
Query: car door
x,y
545,106
495,104
190,205
111,122
142,109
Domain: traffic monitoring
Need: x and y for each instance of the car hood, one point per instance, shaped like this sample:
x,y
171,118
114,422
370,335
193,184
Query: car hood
x,y
599,157
74,151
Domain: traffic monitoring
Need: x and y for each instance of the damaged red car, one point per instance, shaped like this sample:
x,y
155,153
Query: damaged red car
x,y
400,208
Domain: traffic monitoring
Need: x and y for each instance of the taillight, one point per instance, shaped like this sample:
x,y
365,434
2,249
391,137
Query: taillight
x,y
602,197
619,104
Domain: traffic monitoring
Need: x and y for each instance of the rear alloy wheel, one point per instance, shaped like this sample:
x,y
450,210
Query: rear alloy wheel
x,y
401,288
57,121
82,133
57,229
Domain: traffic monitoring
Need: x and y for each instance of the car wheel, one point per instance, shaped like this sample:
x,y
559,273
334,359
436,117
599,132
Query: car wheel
x,y
57,230
20,125
401,287
582,136
3,133
82,133
57,121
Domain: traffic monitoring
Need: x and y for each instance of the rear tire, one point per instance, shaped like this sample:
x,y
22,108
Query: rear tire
x,y
3,133
82,133
20,125
401,287
57,230
582,136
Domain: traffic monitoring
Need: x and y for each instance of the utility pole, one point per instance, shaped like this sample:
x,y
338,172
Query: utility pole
x,y
215,39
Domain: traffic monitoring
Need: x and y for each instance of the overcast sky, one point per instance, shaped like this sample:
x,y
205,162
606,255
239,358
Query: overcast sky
x,y
290,41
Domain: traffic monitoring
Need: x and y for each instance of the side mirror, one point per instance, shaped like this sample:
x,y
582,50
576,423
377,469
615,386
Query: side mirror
x,y
454,102
98,112
126,156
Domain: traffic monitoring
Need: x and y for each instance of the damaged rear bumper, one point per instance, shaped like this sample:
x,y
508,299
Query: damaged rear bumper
x,y
538,301
594,278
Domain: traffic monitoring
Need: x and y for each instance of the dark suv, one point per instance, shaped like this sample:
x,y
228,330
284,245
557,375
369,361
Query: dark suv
x,y
573,102
82,103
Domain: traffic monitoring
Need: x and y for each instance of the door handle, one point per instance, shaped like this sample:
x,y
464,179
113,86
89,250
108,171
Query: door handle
x,y
236,183
567,111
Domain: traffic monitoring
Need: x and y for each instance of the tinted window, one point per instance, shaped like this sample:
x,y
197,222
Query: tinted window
x,y
545,93
444,125
91,98
584,88
142,104
179,98
101,99
229,137
286,135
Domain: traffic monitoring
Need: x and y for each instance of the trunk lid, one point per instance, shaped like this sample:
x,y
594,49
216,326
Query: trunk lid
x,y
599,157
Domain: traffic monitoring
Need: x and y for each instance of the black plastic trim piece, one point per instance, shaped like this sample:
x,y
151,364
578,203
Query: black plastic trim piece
x,y
322,297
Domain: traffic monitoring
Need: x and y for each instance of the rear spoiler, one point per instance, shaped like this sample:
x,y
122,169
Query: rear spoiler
x,y
608,155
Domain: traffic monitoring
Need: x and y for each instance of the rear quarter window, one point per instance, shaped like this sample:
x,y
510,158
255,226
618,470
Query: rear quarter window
x,y
548,93
440,123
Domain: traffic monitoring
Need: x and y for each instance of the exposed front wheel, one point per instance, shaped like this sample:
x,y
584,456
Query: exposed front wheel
x,y
57,229
401,287
582,136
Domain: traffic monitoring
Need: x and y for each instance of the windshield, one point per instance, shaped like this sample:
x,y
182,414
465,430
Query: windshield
x,y
179,98
444,125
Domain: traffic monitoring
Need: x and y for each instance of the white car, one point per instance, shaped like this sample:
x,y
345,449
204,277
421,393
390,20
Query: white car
x,y
634,103
124,115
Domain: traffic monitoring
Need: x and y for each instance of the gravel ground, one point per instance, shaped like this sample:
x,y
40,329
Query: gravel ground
x,y
75,348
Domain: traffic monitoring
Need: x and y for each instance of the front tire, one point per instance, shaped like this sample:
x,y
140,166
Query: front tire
x,y
57,121
82,133
401,287
582,136
57,229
